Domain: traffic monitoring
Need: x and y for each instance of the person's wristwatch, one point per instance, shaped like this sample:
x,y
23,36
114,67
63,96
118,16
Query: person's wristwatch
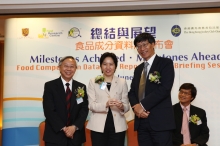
x,y
197,144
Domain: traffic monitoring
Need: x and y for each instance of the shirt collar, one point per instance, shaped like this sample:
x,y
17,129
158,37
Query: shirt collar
x,y
150,61
187,107
64,82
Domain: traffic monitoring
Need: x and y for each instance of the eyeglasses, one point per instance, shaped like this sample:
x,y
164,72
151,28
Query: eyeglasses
x,y
185,93
143,45
69,67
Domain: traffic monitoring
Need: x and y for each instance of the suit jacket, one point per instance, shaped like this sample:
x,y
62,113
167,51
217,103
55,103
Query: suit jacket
x,y
157,96
97,104
199,133
55,111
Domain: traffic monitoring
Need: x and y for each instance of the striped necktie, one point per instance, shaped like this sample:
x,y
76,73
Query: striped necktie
x,y
68,97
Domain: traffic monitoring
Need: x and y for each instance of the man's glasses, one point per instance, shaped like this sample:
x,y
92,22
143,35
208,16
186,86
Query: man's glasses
x,y
143,45
184,93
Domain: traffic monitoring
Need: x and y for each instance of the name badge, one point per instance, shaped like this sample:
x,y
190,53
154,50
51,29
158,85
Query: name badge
x,y
79,100
103,85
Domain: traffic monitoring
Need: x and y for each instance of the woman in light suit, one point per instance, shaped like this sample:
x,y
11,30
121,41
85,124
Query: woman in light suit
x,y
108,102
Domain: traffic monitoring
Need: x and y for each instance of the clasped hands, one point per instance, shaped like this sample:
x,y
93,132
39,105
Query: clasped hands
x,y
140,112
69,131
115,102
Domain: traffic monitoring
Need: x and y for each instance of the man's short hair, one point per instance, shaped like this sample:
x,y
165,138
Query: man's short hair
x,y
144,37
66,57
189,86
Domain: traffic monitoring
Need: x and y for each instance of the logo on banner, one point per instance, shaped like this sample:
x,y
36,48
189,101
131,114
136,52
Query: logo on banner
x,y
46,33
176,30
74,32
25,33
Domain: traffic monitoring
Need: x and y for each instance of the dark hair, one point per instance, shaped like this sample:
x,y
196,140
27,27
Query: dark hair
x,y
109,54
189,86
144,37
66,57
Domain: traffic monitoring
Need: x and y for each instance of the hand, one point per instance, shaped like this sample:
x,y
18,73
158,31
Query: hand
x,y
69,131
119,105
111,102
139,111
145,114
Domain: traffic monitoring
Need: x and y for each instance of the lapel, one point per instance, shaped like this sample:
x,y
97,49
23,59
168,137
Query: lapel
x,y
179,115
73,98
153,66
179,112
191,112
61,90
114,84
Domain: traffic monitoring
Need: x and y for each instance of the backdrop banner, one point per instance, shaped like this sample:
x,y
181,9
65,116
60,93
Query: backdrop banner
x,y
34,46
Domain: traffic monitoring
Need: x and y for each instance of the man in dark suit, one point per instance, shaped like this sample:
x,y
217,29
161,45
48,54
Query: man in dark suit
x,y
154,119
198,129
65,107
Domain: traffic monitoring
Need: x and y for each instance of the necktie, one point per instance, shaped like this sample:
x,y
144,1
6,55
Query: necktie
x,y
68,97
185,128
141,91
